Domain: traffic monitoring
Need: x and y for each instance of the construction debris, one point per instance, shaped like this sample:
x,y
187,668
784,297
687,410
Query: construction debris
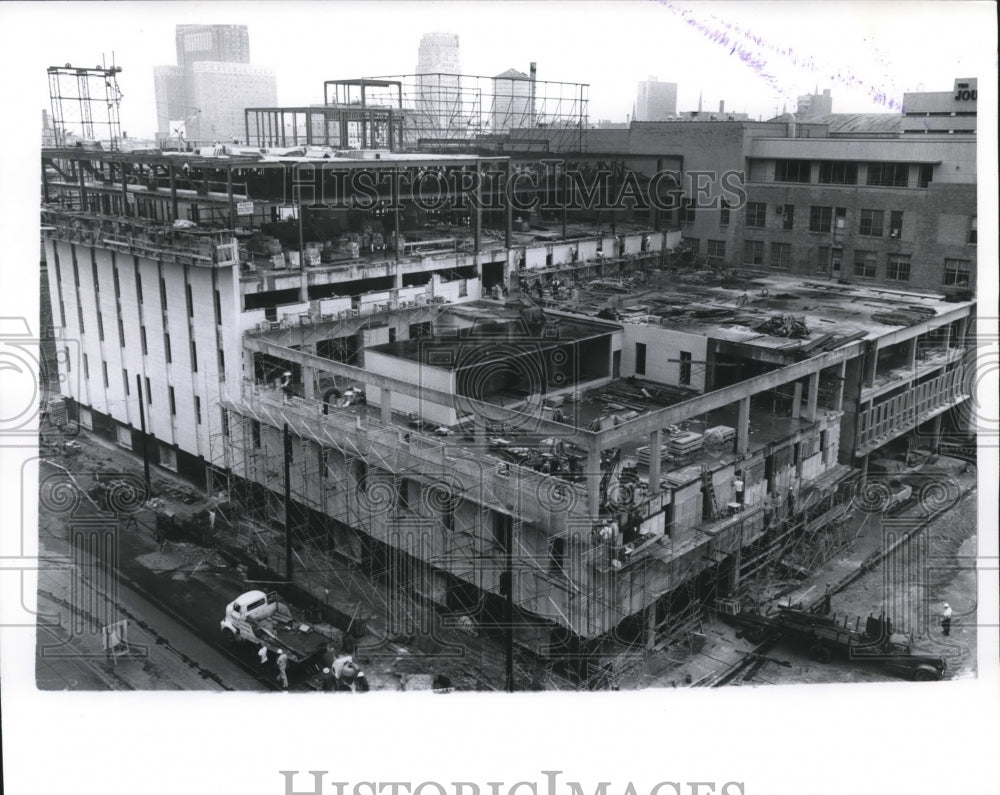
x,y
901,317
793,326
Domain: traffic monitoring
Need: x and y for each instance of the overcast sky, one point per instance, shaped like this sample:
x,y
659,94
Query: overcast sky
x,y
756,56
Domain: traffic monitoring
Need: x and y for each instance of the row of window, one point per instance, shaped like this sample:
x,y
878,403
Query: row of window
x,y
957,272
842,172
824,220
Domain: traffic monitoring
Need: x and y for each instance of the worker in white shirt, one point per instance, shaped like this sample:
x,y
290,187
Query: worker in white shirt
x,y
738,487
282,663
946,620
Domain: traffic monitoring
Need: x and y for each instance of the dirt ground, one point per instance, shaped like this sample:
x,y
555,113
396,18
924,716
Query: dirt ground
x,y
911,585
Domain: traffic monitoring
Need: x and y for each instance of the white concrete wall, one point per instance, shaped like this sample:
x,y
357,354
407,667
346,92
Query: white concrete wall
x,y
415,373
180,427
663,351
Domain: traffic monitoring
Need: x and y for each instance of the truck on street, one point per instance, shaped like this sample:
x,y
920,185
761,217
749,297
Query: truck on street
x,y
825,637
265,620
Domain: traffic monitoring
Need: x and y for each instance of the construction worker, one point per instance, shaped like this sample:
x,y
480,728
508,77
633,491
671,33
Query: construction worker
x,y
282,663
348,676
946,620
262,655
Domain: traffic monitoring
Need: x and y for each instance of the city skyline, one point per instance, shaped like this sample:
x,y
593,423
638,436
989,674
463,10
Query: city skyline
x,y
744,58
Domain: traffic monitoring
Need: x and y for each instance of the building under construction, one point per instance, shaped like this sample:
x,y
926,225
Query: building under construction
x,y
548,420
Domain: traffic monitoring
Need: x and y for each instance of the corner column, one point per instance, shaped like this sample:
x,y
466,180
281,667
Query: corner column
x,y
813,398
743,427
655,441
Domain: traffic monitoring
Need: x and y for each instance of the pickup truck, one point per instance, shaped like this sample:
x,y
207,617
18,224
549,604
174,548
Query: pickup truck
x,y
264,620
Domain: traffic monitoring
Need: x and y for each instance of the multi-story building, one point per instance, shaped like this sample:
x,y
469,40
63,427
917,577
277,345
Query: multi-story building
x,y
204,94
439,88
224,91
845,197
656,101
173,103
511,418
226,43
942,112
814,104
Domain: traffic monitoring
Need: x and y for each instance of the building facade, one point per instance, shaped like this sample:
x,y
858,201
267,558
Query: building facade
x,y
226,43
203,96
438,86
655,101
223,91
942,112
872,207
815,104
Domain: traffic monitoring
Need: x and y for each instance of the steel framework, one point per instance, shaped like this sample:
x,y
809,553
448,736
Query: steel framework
x,y
85,105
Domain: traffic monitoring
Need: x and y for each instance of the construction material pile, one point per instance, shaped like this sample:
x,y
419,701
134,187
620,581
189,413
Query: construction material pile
x,y
907,316
793,326
698,277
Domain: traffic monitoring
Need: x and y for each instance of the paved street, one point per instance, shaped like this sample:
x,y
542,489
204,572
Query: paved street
x,y
77,597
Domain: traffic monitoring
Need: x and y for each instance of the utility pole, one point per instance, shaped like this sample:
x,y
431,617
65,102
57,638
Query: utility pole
x,y
142,427
287,446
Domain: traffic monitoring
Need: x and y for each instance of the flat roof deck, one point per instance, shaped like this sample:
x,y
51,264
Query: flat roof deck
x,y
733,313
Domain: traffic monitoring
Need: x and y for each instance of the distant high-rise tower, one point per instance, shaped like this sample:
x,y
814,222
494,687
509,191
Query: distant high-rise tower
x,y
205,94
656,101
226,43
439,90
815,104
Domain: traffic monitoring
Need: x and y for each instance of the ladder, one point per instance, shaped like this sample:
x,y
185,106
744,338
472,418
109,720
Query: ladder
x,y
708,487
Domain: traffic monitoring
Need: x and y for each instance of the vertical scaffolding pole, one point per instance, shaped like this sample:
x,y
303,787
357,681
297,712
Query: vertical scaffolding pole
x,y
287,449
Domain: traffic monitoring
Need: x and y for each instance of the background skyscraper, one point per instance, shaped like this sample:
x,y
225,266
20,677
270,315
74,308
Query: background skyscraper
x,y
211,84
655,101
815,104
439,90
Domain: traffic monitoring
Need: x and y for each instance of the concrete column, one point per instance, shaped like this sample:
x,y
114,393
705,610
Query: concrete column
x,y
743,427
797,400
593,475
303,278
963,332
813,397
650,626
398,278
871,362
174,209
936,433
308,383
386,406
838,399
655,440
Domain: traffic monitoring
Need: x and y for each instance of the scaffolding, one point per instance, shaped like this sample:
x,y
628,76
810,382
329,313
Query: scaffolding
x,y
85,105
510,112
